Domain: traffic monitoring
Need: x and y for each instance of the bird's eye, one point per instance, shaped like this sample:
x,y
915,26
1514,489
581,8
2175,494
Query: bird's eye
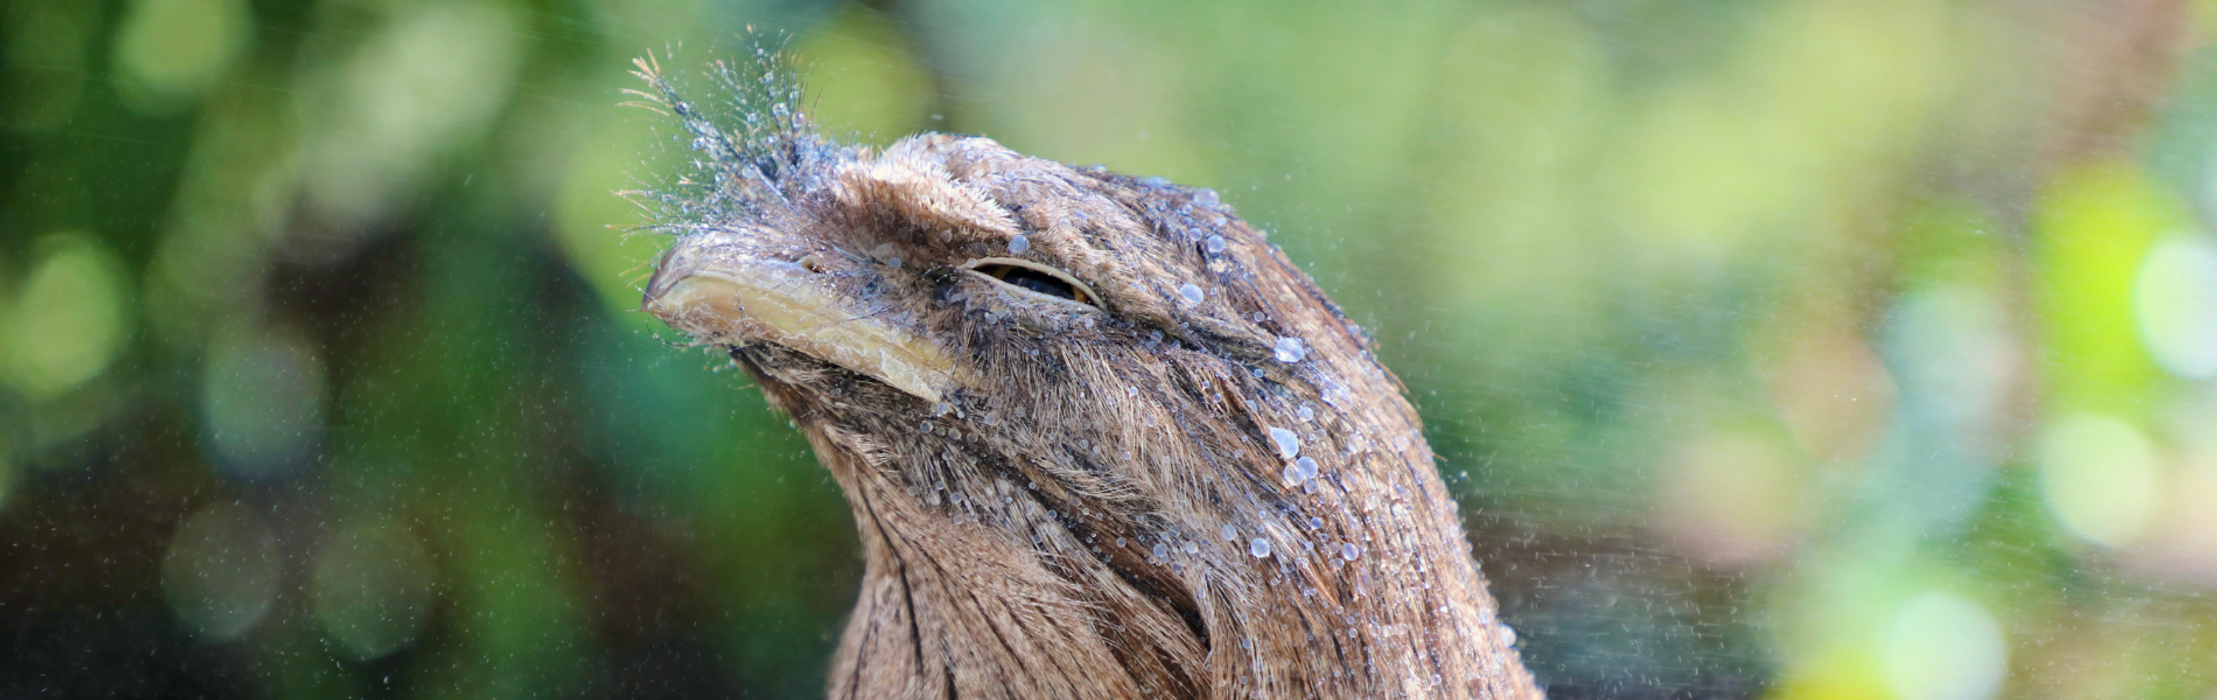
x,y
1035,278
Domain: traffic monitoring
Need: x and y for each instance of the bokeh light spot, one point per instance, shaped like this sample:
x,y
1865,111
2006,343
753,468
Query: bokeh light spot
x,y
69,319
372,589
261,398
221,573
172,50
437,74
1944,647
2101,477
2095,224
1733,497
2175,302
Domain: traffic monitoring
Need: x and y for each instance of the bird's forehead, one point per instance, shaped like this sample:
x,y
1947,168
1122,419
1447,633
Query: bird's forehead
x,y
962,197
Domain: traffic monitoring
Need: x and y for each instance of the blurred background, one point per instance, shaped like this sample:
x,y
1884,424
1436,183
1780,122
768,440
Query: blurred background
x,y
1776,348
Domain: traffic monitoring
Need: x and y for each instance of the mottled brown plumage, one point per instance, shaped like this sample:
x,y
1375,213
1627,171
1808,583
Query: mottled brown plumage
x,y
1066,463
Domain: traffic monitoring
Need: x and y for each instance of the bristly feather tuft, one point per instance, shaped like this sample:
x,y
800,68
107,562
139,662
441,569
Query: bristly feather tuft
x,y
753,153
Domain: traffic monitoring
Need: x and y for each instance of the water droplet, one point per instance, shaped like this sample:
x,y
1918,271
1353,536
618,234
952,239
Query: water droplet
x,y
1349,551
1161,551
1191,293
883,251
1307,467
1289,445
1215,244
1132,390
895,262
1206,197
1192,548
1231,534
1119,541
1017,245
1316,523
1306,413
1335,393
1246,644
940,409
1292,475
1290,350
1156,181
1259,548
1308,486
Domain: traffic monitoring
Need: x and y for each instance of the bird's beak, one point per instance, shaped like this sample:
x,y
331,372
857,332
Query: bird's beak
x,y
727,299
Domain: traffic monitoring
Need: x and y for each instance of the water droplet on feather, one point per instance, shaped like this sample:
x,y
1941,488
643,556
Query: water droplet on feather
x,y
1289,445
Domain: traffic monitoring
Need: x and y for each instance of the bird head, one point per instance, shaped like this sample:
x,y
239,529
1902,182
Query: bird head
x,y
1099,338
1105,395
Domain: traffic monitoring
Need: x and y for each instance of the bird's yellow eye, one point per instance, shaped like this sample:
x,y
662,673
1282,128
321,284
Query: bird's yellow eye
x,y
1034,278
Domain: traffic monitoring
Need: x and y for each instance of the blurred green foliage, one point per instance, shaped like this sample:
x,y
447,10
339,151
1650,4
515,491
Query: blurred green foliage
x,y
1778,348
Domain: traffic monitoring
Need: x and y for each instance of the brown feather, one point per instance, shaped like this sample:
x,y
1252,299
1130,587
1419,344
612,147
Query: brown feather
x,y
1044,503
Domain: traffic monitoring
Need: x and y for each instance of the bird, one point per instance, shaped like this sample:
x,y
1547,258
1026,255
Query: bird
x,y
1100,438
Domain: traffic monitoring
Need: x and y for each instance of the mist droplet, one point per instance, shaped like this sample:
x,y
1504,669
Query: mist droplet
x,y
1161,551
1231,534
1290,350
1017,245
1259,548
1307,467
1215,244
1292,475
1306,413
1349,551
